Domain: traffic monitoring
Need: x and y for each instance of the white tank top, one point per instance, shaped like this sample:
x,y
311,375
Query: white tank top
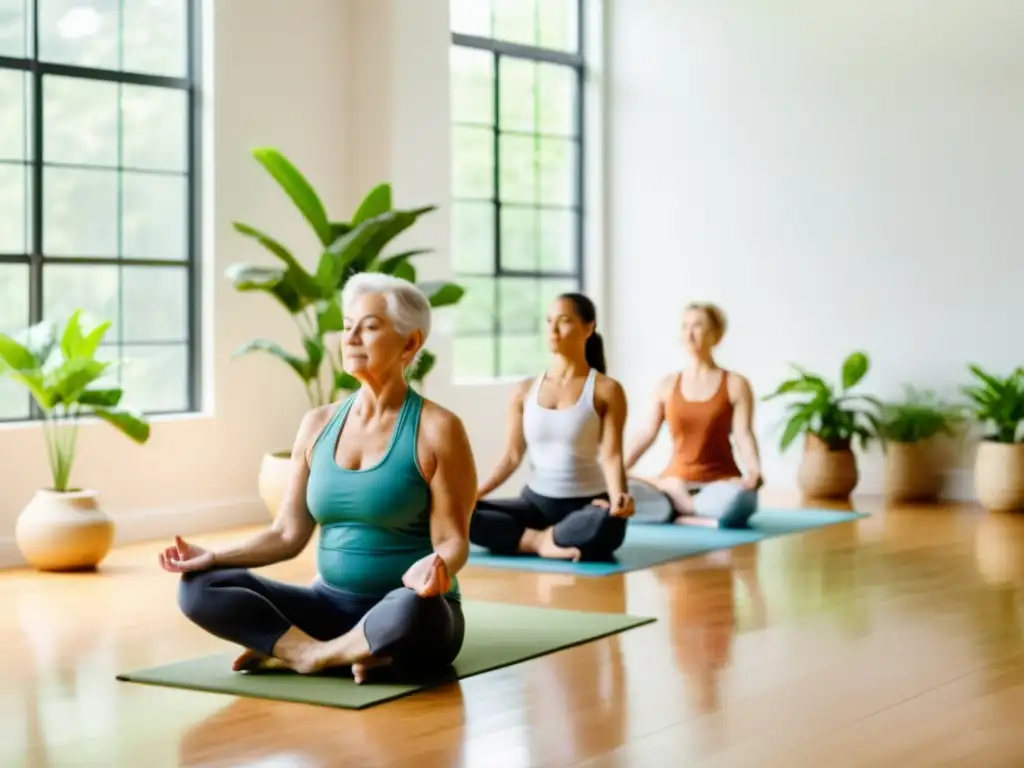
x,y
563,445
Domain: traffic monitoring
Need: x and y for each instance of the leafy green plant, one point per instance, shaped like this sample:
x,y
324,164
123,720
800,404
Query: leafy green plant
x,y
998,403
63,379
919,416
312,298
831,413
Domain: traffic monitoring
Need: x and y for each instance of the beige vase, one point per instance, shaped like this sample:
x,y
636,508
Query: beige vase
x,y
825,473
912,472
273,479
999,476
64,531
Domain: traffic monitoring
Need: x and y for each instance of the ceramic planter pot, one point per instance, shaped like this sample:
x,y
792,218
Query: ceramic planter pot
x,y
273,479
912,472
999,476
827,473
64,531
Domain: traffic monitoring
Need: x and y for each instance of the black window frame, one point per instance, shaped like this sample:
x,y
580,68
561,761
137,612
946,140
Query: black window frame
x,y
576,62
36,259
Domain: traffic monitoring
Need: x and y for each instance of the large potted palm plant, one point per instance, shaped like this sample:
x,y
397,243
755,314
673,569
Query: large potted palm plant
x,y
829,417
998,404
63,527
911,429
312,296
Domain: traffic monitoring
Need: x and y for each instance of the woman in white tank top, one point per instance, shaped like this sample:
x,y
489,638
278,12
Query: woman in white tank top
x,y
569,421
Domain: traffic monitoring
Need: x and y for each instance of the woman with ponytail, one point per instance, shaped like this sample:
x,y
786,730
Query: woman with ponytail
x,y
569,420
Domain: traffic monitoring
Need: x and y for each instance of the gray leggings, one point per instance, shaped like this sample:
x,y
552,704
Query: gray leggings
x,y
421,635
726,501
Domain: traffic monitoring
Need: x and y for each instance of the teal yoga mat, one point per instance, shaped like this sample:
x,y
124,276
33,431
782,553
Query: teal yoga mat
x,y
649,544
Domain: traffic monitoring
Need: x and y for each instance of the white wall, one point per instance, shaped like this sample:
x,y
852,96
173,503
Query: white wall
x,y
837,174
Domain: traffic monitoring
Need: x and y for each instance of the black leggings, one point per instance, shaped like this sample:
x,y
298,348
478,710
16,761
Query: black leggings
x,y
419,634
498,525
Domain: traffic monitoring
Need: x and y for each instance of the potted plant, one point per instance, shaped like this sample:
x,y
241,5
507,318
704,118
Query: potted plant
x,y
910,429
312,297
63,528
998,404
830,419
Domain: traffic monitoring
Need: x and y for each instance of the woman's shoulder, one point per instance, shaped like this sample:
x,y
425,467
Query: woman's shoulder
x,y
440,425
608,387
737,385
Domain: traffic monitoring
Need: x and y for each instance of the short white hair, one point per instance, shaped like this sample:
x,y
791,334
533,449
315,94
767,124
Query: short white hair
x,y
408,307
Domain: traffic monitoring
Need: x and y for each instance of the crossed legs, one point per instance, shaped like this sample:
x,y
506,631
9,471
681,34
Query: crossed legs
x,y
720,504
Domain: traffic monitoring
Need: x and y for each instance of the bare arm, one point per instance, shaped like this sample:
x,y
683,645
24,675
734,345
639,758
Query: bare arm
x,y
515,447
613,422
743,430
293,526
452,476
643,442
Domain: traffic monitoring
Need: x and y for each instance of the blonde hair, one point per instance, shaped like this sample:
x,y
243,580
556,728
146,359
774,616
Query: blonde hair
x,y
714,314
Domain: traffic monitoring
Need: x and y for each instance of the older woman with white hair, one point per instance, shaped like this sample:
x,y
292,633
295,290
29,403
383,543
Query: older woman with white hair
x,y
390,479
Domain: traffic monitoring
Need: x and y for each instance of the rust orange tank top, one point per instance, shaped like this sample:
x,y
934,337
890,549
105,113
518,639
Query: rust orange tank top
x,y
700,430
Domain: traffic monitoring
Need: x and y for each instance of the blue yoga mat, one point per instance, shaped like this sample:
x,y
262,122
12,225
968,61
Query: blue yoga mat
x,y
649,544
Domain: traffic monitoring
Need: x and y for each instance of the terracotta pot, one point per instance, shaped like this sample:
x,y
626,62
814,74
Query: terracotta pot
x,y
999,476
64,531
273,479
912,471
826,473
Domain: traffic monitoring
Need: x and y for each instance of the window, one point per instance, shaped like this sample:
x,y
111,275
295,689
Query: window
x,y
517,75
98,151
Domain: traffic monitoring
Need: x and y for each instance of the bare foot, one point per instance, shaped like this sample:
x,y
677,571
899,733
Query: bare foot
x,y
694,520
250,661
546,547
360,670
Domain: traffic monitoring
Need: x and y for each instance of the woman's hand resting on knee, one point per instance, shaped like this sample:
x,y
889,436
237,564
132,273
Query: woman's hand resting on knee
x,y
185,558
625,506
428,576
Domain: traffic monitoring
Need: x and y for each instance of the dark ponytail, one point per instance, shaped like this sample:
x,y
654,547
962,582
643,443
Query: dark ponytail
x,y
587,312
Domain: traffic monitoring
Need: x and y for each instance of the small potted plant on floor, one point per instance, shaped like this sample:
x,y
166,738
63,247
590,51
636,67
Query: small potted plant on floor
x,y
911,429
998,404
63,528
312,297
829,418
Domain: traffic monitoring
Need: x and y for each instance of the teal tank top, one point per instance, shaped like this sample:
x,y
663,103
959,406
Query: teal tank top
x,y
374,522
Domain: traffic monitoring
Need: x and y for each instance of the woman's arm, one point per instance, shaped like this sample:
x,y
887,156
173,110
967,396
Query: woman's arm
x,y
613,422
743,430
515,447
293,526
643,442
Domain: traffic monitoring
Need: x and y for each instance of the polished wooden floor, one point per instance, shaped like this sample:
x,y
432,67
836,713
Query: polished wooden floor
x,y
896,640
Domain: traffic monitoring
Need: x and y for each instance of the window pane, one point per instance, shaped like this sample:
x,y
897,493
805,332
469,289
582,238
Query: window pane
x,y
81,212
14,399
558,251
473,162
89,288
557,165
521,355
15,94
472,86
155,304
471,17
519,238
155,35
516,20
519,305
13,209
155,378
155,128
475,312
556,99
518,179
154,216
559,24
474,357
14,23
473,237
84,34
79,121
518,94
552,287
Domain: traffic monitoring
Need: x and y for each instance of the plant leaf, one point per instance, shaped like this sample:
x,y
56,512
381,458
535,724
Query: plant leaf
x,y
328,316
355,251
393,224
104,398
34,382
424,364
298,189
405,271
297,274
346,381
128,422
272,280
854,368
296,363
388,265
376,202
71,378
442,294
17,355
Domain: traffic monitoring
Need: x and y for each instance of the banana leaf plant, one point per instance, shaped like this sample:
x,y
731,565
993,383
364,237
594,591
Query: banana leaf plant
x,y
831,413
312,296
998,404
63,375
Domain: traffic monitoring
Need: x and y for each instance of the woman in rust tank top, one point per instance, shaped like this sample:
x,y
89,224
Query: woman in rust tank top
x,y
706,408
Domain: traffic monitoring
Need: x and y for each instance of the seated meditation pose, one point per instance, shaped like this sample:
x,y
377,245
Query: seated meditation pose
x,y
390,480
569,420
704,406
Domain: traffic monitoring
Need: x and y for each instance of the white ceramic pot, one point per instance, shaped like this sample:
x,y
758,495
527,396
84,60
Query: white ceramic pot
x,y
64,531
273,480
999,476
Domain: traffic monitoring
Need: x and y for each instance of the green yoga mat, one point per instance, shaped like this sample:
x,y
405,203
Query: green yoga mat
x,y
497,635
